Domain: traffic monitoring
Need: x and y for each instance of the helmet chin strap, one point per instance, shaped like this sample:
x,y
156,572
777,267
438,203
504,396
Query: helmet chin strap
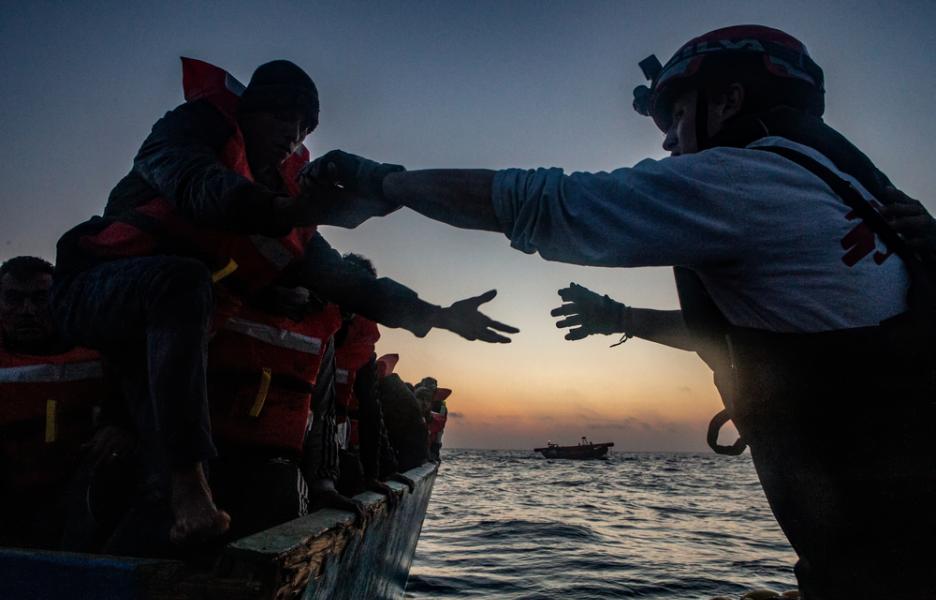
x,y
701,121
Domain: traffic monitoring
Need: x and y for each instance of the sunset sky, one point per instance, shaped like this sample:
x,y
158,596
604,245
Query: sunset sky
x,y
446,84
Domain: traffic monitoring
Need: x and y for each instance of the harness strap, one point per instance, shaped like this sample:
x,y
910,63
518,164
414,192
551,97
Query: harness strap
x,y
865,211
851,197
711,437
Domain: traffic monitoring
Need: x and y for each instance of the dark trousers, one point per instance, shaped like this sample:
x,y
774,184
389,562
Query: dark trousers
x,y
258,492
842,431
150,316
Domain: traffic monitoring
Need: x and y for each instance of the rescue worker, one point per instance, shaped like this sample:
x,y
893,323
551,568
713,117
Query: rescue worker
x,y
51,395
821,347
212,196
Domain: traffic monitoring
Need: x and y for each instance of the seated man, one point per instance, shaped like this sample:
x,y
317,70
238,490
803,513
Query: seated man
x,y
367,457
51,395
263,371
213,189
406,421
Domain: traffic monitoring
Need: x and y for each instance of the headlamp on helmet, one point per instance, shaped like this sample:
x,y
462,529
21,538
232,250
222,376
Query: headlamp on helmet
x,y
785,61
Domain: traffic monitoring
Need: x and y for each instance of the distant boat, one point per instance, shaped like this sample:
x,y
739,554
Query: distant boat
x,y
583,451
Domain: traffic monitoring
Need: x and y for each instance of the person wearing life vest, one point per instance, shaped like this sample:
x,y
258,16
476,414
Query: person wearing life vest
x,y
405,417
263,369
52,395
437,420
432,402
212,196
367,458
814,314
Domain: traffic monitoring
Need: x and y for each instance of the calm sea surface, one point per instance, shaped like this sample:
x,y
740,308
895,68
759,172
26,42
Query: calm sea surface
x,y
512,525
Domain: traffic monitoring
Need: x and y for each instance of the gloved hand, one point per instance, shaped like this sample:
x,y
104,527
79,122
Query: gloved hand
x,y
911,220
464,318
344,190
356,174
591,312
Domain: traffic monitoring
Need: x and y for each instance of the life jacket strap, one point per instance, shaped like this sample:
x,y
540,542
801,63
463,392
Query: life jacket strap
x,y
51,409
224,271
266,376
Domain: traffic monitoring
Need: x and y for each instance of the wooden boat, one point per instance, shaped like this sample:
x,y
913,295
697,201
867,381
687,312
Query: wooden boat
x,y
584,450
322,555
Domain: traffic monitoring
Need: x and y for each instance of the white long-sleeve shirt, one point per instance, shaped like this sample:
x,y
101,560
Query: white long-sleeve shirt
x,y
773,245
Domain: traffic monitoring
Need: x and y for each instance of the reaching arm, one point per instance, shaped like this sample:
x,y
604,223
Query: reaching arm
x,y
459,197
665,327
180,161
590,313
388,302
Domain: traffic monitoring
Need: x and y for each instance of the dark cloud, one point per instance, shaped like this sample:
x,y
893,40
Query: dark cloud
x,y
633,423
456,415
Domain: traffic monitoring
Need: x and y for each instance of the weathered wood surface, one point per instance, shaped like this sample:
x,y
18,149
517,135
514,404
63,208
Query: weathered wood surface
x,y
322,555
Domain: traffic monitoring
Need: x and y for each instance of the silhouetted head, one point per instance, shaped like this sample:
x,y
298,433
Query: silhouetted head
x,y
25,317
725,74
361,261
277,110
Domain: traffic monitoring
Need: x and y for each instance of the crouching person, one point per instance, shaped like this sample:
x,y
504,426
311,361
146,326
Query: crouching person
x,y
213,196
51,394
367,457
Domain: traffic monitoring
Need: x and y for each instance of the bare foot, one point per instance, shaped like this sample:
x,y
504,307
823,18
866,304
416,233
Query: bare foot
x,y
322,494
382,488
196,517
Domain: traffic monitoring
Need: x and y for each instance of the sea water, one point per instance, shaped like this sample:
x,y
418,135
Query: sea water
x,y
512,525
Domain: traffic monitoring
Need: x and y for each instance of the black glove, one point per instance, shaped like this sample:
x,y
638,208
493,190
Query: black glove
x,y
912,221
345,190
356,174
591,312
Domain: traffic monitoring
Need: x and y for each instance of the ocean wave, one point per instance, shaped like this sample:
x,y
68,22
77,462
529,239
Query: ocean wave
x,y
508,525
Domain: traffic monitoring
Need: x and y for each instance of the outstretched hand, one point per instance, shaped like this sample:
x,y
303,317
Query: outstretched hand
x,y
464,318
588,313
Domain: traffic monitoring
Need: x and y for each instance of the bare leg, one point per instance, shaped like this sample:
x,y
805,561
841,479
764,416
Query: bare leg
x,y
196,518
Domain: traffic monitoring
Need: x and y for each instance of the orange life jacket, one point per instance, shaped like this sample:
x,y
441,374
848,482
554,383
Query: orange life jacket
x,y
354,352
438,418
437,425
49,406
262,369
253,260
